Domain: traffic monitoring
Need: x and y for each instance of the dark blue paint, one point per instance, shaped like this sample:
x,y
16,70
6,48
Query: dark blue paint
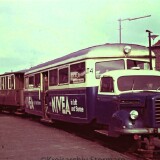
x,y
146,108
109,110
105,107
36,108
114,111
85,99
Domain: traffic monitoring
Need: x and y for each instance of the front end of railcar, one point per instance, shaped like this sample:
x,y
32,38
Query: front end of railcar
x,y
138,118
138,114
131,108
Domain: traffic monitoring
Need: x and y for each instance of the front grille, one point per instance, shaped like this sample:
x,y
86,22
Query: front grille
x,y
157,110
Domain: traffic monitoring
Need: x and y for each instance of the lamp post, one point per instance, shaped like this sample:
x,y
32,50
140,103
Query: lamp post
x,y
150,50
129,19
150,53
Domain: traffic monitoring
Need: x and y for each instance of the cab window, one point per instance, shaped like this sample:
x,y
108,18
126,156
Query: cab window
x,y
140,64
107,84
102,67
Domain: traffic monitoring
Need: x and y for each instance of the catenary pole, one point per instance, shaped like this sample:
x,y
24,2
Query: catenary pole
x,y
127,19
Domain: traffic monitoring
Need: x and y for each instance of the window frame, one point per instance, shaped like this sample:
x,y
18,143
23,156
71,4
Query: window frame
x,y
37,80
51,76
11,82
63,79
31,85
3,83
108,88
97,75
78,75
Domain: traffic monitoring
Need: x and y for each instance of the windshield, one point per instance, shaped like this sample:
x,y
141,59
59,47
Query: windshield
x,y
126,83
102,67
134,63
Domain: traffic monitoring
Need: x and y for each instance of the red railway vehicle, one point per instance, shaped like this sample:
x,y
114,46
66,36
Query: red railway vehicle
x,y
11,91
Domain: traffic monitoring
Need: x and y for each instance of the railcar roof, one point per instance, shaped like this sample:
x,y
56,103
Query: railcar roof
x,y
85,53
16,72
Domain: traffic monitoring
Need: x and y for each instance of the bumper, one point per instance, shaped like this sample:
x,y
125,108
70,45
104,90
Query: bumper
x,y
139,131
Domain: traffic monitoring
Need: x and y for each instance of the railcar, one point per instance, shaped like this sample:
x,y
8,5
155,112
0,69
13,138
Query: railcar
x,y
66,88
11,91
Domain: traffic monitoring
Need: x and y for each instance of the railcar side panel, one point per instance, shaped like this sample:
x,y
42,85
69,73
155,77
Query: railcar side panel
x,y
13,98
33,104
74,106
106,106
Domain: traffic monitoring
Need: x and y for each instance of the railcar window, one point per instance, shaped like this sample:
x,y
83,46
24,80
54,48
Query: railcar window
x,y
0,83
12,82
77,73
9,81
3,82
53,77
26,82
107,84
6,82
126,83
134,63
102,67
37,80
31,81
63,76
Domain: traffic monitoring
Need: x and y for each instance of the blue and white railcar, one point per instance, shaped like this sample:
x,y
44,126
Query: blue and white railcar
x,y
66,88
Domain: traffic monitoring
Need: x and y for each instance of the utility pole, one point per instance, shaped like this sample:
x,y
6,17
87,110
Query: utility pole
x,y
127,19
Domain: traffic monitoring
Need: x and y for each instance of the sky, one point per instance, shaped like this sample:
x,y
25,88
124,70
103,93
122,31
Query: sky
x,y
36,31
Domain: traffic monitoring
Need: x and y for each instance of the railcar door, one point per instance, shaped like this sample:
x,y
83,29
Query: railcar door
x,y
45,94
106,101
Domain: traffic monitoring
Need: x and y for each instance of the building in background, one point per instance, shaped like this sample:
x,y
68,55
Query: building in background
x,y
156,50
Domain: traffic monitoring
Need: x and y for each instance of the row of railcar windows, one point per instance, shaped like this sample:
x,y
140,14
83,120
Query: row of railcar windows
x,y
7,82
74,74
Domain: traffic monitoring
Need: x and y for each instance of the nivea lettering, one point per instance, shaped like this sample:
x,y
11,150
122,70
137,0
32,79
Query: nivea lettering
x,y
60,104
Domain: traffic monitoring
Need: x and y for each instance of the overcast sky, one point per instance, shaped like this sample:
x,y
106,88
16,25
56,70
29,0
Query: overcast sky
x,y
36,31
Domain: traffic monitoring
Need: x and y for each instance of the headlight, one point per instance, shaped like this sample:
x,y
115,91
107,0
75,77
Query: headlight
x,y
133,114
127,49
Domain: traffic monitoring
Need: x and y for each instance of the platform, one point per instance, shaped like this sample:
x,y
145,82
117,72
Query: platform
x,y
25,139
